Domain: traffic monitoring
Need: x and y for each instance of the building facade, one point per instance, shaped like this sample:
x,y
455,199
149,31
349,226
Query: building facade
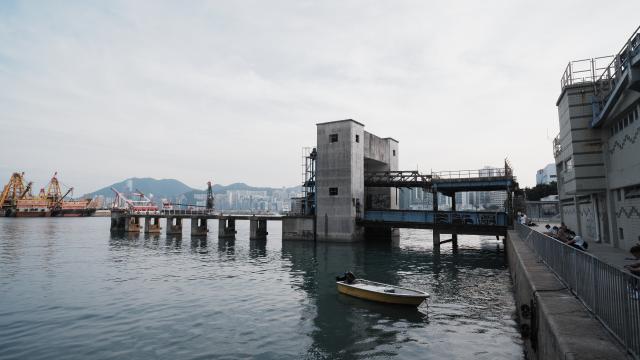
x,y
597,153
546,175
345,152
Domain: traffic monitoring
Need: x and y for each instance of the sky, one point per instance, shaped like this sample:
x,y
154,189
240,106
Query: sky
x,y
230,91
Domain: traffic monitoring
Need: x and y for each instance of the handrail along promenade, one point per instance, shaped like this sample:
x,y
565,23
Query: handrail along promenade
x,y
611,294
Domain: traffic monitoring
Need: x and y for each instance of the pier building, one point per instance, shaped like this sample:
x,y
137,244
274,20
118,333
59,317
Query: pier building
x,y
351,192
597,152
345,153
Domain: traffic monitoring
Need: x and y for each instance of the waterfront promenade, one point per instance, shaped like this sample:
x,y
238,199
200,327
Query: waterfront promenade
x,y
573,302
605,252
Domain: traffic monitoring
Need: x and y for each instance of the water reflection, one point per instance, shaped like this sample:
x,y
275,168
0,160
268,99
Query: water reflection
x,y
257,248
243,298
227,247
465,284
199,245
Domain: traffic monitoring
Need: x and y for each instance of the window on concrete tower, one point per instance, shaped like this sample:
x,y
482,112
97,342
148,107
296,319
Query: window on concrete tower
x,y
333,138
333,191
357,138
394,153
621,233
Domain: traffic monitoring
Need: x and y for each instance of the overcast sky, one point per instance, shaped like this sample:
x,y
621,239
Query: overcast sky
x,y
230,91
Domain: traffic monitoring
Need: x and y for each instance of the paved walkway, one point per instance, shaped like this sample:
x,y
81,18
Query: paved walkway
x,y
605,252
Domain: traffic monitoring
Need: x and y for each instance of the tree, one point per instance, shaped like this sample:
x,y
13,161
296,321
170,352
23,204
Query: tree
x,y
539,191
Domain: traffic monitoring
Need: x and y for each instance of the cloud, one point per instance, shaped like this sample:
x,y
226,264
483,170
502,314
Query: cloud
x,y
232,91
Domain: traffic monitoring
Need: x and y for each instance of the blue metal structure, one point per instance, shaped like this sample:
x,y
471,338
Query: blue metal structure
x,y
462,222
621,74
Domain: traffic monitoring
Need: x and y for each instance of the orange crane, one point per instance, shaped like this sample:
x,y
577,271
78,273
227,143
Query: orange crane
x,y
54,194
14,190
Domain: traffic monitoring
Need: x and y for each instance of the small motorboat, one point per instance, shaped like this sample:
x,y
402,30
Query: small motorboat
x,y
375,291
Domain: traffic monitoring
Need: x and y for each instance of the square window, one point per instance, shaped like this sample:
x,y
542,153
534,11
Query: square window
x,y
394,153
333,191
333,138
357,138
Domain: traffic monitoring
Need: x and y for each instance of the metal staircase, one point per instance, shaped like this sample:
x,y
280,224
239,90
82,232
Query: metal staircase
x,y
621,74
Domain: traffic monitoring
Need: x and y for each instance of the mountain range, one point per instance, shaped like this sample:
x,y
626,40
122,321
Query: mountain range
x,y
172,188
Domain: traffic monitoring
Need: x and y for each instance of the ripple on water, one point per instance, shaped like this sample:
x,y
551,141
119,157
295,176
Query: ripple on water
x,y
70,290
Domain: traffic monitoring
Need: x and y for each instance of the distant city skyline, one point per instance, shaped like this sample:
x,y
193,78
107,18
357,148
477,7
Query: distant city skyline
x,y
223,92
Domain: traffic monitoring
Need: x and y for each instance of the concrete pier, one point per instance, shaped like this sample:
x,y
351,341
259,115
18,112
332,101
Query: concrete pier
x,y
199,227
174,226
117,221
298,228
227,228
132,224
152,225
554,323
258,229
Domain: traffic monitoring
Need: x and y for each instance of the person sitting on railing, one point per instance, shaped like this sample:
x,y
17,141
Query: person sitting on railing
x,y
634,268
551,231
564,234
576,241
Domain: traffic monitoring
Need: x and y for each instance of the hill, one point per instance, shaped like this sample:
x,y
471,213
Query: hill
x,y
163,188
172,189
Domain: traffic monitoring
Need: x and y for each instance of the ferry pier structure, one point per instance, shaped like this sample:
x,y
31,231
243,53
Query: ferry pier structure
x,y
350,192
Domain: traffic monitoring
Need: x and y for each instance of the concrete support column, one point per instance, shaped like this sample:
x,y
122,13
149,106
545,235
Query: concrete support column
x,y
152,225
132,224
258,229
174,226
454,237
117,221
227,228
436,233
199,227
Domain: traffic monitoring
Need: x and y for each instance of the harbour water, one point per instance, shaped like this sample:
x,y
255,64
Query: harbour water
x,y
69,289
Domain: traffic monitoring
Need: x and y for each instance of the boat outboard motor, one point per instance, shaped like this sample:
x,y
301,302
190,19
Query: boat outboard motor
x,y
348,277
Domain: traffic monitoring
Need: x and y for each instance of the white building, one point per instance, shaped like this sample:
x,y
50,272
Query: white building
x,y
547,175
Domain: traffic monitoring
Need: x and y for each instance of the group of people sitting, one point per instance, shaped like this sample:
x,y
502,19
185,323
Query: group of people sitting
x,y
567,236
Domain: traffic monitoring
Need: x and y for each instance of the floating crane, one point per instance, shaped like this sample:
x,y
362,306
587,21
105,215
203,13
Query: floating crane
x,y
54,194
14,190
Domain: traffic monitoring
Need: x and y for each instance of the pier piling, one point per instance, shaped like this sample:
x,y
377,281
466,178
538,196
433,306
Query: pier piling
x,y
258,229
174,226
199,227
226,228
132,224
152,225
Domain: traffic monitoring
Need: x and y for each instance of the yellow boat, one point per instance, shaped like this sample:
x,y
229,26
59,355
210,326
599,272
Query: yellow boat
x,y
375,291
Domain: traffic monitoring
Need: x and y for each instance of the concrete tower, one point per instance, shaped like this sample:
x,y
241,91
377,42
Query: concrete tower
x,y
345,153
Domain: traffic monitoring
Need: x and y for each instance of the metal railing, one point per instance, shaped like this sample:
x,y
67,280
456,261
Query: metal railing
x,y
612,72
557,146
471,174
584,71
611,294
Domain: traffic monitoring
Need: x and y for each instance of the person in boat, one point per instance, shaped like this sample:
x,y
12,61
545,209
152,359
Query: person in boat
x,y
348,277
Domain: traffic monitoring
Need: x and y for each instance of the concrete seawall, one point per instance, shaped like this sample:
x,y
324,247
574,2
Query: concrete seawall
x,y
554,323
